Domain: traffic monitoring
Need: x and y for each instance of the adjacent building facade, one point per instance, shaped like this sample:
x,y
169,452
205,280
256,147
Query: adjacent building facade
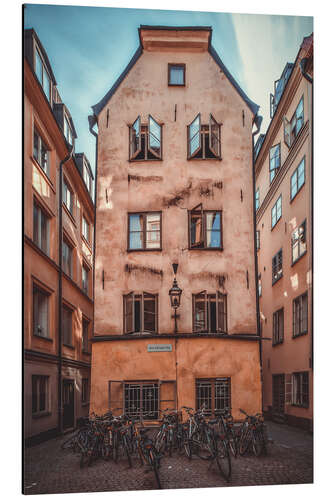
x,y
284,173
175,186
58,305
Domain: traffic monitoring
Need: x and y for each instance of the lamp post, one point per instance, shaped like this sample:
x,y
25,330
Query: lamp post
x,y
175,294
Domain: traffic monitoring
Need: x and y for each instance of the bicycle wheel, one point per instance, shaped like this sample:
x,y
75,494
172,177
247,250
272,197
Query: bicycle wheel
x,y
115,447
204,450
127,450
244,442
233,446
188,449
256,444
154,463
223,459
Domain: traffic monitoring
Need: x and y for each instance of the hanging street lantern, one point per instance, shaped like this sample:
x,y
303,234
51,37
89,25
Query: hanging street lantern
x,y
175,295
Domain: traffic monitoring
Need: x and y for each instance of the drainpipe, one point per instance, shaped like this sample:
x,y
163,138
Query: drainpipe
x,y
302,65
60,408
92,121
257,121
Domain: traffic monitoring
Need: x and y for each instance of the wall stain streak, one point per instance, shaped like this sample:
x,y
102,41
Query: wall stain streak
x,y
130,268
177,197
220,278
141,178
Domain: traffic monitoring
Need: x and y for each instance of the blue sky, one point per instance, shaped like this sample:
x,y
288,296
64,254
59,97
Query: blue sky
x,y
89,47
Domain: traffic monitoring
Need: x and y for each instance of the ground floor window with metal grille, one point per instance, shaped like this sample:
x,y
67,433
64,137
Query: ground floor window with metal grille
x,y
214,394
300,392
142,398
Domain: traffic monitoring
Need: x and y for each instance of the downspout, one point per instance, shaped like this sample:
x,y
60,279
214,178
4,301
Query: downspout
x,y
257,121
92,122
60,408
302,65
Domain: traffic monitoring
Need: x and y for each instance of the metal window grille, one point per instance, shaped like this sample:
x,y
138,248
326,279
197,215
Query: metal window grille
x,y
213,394
142,398
278,393
300,384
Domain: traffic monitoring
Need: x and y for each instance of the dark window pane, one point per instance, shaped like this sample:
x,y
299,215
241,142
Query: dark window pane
x,y
39,67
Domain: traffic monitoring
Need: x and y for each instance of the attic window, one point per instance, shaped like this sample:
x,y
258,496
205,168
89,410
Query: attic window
x,y
176,75
42,74
146,140
203,141
67,131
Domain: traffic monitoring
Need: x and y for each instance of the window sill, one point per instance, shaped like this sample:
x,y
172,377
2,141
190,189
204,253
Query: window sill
x,y
69,346
298,258
87,242
299,335
144,249
148,160
300,405
41,414
217,249
274,344
217,158
49,339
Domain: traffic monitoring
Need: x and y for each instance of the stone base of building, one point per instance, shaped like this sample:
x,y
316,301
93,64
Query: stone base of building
x,y
41,437
292,420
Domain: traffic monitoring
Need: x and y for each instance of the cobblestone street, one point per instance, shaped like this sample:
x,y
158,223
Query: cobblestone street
x,y
49,469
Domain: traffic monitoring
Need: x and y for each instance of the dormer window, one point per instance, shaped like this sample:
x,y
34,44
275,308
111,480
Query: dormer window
x,y
176,75
203,141
42,74
146,140
86,176
68,131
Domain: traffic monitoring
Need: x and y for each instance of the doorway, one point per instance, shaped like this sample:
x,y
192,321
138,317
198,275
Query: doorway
x,y
68,403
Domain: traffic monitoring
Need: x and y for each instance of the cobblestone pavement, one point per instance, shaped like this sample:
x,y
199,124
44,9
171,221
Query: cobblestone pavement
x,y
49,469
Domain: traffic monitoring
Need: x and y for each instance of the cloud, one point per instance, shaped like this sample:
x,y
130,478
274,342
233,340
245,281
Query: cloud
x,y
266,44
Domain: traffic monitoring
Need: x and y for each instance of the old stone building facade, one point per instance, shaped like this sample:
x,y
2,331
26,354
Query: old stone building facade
x,y
175,187
58,305
284,185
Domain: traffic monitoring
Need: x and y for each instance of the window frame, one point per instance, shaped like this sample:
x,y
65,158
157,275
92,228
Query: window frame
x,y
259,285
85,335
129,299
176,65
276,169
303,394
37,289
257,199
85,225
278,330
144,133
302,318
277,266
38,412
44,70
217,297
86,176
203,131
289,138
275,207
85,268
144,231
295,172
66,242
38,158
202,244
210,383
38,240
68,132
69,310
297,242
66,188
257,239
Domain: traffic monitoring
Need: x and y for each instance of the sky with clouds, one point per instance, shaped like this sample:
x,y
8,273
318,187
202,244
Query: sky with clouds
x,y
88,47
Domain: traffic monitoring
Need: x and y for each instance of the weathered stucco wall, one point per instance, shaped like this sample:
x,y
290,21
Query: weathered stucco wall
x,y
173,186
196,358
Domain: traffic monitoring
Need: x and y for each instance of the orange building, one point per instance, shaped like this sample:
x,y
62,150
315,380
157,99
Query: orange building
x,y
175,186
58,305
283,169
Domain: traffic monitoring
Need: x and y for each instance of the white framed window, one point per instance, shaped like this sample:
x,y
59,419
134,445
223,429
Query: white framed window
x,y
277,211
40,312
85,228
297,180
85,279
68,197
41,228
